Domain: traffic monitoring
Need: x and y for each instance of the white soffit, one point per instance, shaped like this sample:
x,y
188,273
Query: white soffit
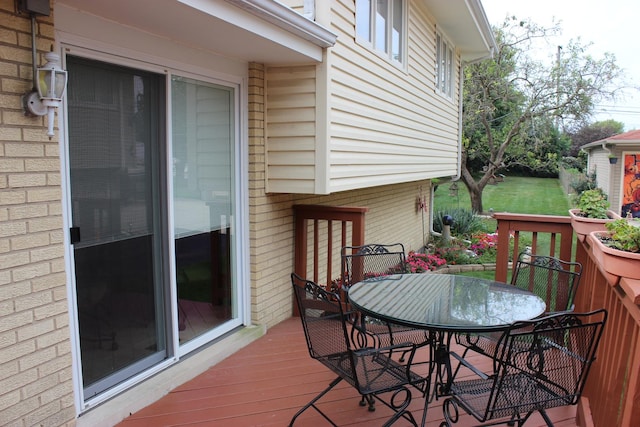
x,y
262,31
465,23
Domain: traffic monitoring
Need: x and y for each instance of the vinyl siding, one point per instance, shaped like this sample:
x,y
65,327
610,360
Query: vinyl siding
x,y
291,129
359,120
388,125
608,176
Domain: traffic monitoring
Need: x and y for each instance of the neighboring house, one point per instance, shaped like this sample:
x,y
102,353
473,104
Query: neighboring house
x,y
152,236
616,162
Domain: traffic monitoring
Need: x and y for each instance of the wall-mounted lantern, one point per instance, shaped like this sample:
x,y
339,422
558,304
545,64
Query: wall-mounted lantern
x,y
50,80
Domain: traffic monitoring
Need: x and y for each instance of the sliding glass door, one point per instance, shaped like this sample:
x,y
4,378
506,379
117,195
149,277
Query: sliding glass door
x,y
115,160
152,216
203,135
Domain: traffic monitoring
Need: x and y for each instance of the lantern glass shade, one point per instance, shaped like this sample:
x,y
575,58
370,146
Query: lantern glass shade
x,y
52,79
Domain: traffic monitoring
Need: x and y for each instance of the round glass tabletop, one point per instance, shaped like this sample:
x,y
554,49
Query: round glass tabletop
x,y
445,302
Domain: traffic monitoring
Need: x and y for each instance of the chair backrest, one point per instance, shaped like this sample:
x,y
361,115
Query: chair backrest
x,y
372,260
323,320
552,279
554,353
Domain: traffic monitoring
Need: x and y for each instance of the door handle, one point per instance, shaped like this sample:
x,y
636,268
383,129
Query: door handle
x,y
74,234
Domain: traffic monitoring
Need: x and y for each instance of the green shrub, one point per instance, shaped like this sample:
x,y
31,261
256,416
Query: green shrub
x,y
465,222
583,183
577,163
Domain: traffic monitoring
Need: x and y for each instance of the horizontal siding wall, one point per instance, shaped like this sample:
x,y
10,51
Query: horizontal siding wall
x,y
392,217
387,125
599,163
290,107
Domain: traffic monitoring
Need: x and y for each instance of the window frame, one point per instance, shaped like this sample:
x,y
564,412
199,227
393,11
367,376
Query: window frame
x,y
366,29
444,65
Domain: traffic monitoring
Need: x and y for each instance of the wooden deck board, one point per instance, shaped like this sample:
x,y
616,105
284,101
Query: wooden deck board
x,y
265,384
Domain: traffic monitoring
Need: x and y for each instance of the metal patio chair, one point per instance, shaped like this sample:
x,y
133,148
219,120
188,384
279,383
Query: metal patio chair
x,y
550,278
539,364
369,370
368,262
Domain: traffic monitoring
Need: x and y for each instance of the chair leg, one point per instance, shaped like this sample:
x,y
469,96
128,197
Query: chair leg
x,y
312,403
366,399
546,417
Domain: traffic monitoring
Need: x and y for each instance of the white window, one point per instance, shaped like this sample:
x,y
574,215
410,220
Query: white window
x,y
381,24
444,66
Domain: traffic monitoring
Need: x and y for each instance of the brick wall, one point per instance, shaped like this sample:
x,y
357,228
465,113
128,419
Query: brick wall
x,y
392,218
35,360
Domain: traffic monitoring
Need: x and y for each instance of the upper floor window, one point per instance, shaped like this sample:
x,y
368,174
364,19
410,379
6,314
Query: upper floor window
x,y
381,23
444,66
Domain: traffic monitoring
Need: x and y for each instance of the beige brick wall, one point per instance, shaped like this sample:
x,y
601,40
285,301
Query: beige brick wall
x,y
35,360
392,217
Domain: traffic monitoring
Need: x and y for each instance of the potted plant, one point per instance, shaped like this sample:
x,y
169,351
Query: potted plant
x,y
613,159
618,248
591,213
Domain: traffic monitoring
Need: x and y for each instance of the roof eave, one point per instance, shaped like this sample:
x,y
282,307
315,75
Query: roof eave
x,y
466,24
289,20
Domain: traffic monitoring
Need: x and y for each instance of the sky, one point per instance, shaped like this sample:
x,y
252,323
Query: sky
x,y
610,26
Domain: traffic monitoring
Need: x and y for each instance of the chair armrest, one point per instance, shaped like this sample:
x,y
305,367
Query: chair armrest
x,y
373,350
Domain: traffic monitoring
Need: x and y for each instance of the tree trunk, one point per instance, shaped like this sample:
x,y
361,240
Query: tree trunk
x,y
475,187
476,199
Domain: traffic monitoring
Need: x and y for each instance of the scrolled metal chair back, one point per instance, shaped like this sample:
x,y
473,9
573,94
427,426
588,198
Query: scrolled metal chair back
x,y
373,260
552,279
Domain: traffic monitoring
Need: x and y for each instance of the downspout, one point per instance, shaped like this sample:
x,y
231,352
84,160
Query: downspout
x,y
456,177
309,9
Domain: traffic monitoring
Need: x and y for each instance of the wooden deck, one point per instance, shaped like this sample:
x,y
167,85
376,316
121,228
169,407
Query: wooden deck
x,y
265,383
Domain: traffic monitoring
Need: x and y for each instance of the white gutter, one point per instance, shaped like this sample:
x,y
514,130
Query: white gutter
x,y
456,177
484,26
289,20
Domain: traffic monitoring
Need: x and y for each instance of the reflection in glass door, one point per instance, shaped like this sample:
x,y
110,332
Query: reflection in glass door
x,y
203,199
114,159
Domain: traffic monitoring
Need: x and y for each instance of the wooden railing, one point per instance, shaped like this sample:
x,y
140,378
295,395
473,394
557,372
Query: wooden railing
x,y
320,233
510,227
613,386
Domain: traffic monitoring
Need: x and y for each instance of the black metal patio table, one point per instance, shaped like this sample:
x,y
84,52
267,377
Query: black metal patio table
x,y
443,304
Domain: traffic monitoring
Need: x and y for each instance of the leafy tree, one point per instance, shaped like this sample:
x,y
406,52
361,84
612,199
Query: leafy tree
x,y
538,151
508,96
593,132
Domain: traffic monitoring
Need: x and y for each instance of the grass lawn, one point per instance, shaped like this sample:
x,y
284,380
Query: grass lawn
x,y
542,196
